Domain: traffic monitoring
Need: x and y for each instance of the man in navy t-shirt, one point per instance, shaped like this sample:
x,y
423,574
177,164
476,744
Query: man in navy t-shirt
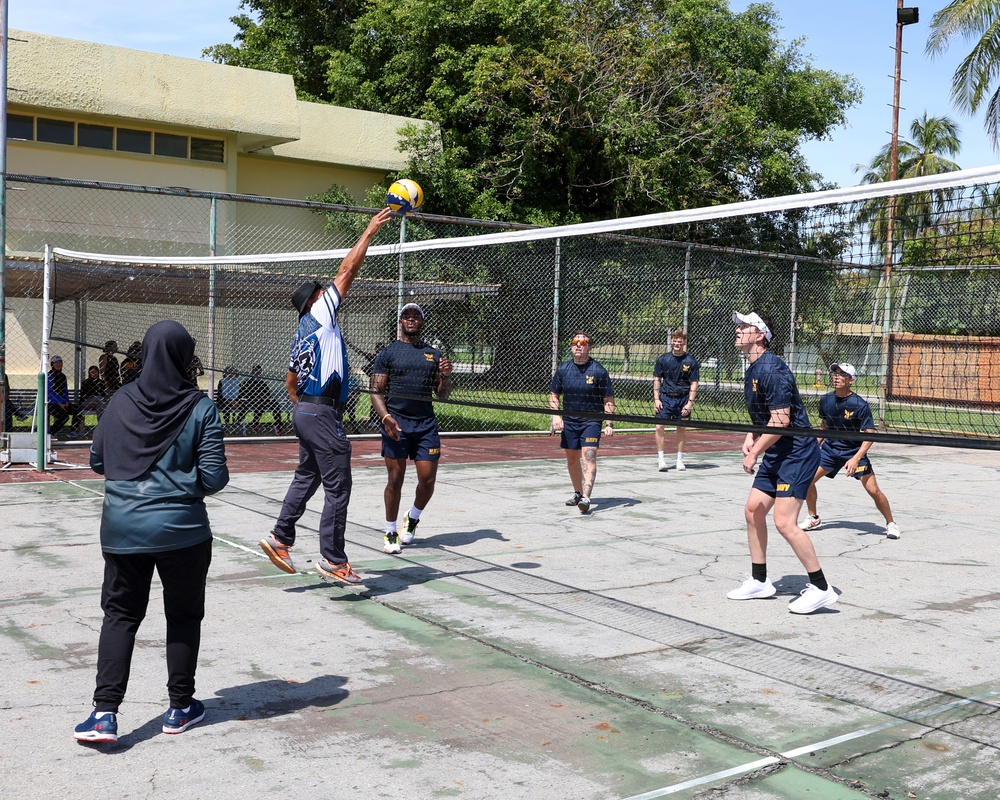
x,y
785,474
405,377
675,385
843,410
585,386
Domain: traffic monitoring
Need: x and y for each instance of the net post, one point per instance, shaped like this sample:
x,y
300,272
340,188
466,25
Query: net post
x,y
42,403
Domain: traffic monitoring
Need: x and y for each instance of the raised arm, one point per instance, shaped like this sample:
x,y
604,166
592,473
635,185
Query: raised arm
x,y
353,260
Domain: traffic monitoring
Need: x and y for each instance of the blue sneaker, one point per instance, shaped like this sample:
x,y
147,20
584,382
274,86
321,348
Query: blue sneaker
x,y
177,720
97,730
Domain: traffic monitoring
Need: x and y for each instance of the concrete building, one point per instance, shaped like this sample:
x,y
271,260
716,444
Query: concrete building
x,y
96,112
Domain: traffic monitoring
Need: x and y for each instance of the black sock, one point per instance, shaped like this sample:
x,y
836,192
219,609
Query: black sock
x,y
818,580
758,572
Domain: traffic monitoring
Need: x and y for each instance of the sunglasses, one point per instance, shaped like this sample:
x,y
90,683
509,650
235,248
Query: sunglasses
x,y
581,342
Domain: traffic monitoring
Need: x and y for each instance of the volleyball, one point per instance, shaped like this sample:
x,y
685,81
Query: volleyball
x,y
404,196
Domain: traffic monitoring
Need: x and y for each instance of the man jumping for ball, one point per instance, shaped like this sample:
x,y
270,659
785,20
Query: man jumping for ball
x,y
404,376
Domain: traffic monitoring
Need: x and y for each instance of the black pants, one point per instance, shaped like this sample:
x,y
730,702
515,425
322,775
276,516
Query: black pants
x,y
61,415
324,459
124,598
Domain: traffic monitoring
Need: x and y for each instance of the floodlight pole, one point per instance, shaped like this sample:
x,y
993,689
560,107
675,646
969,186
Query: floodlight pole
x,y
904,16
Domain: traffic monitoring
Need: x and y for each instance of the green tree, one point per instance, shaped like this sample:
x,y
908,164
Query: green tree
x,y
933,140
548,111
975,81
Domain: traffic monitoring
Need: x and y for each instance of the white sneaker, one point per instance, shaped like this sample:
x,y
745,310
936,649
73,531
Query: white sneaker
x,y
811,523
680,466
662,465
892,531
812,599
391,545
752,589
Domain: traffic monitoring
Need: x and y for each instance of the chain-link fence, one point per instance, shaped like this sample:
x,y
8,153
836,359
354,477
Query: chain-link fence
x,y
921,331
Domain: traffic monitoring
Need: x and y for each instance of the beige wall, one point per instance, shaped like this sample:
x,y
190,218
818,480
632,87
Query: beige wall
x,y
61,161
275,177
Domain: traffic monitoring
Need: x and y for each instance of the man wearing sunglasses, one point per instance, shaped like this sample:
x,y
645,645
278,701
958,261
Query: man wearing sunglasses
x,y
585,387
843,410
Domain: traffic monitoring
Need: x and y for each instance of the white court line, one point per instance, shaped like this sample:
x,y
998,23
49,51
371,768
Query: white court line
x,y
764,762
239,546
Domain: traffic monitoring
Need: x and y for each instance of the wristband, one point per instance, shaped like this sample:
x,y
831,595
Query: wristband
x,y
385,418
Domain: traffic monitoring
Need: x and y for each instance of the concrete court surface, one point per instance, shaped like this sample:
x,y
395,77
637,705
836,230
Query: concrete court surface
x,y
521,650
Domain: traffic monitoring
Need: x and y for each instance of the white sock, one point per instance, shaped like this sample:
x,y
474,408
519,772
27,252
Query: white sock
x,y
390,527
414,513
659,454
680,456
102,714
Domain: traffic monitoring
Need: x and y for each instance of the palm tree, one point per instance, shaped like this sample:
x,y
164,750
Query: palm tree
x,y
932,141
970,85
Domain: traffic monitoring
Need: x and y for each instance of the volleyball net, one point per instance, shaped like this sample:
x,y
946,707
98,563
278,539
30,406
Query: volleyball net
x,y
901,280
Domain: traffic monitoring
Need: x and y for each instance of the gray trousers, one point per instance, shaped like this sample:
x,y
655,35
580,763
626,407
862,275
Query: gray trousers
x,y
324,458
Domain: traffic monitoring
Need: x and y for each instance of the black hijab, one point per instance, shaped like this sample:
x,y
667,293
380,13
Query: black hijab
x,y
144,417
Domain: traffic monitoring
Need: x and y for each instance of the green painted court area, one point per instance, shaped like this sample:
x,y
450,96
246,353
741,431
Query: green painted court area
x,y
521,650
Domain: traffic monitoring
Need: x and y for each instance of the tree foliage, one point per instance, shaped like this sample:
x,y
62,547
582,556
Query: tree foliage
x,y
549,111
975,80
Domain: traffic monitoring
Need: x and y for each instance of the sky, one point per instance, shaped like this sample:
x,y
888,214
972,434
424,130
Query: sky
x,y
854,37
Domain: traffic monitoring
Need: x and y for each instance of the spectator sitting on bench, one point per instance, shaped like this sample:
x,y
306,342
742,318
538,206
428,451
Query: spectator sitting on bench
x,y
60,407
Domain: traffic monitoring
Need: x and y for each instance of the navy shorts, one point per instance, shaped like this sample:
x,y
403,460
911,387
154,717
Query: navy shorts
x,y
833,462
418,440
789,473
673,408
580,433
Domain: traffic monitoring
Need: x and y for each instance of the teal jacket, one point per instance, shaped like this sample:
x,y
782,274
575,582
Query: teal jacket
x,y
165,508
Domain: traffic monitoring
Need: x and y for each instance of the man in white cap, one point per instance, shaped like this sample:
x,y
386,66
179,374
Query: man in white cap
x,y
843,410
785,474
405,377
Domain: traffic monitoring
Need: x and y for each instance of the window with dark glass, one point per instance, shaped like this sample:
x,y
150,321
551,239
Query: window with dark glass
x,y
208,150
170,144
56,131
133,141
100,136
20,127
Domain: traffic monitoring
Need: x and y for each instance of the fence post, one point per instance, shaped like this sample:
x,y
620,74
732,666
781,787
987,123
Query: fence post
x,y
213,232
556,279
687,286
400,291
791,323
883,384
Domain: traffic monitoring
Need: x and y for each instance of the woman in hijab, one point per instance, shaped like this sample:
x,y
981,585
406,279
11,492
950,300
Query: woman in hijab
x,y
159,446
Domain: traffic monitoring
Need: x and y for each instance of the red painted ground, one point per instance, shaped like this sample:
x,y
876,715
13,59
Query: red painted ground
x,y
283,455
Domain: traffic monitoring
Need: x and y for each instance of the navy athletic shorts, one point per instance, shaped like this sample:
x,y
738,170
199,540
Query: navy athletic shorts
x,y
789,473
418,440
832,463
580,433
673,408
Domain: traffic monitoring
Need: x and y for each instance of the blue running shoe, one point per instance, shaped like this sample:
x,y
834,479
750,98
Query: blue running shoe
x,y
177,720
97,730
